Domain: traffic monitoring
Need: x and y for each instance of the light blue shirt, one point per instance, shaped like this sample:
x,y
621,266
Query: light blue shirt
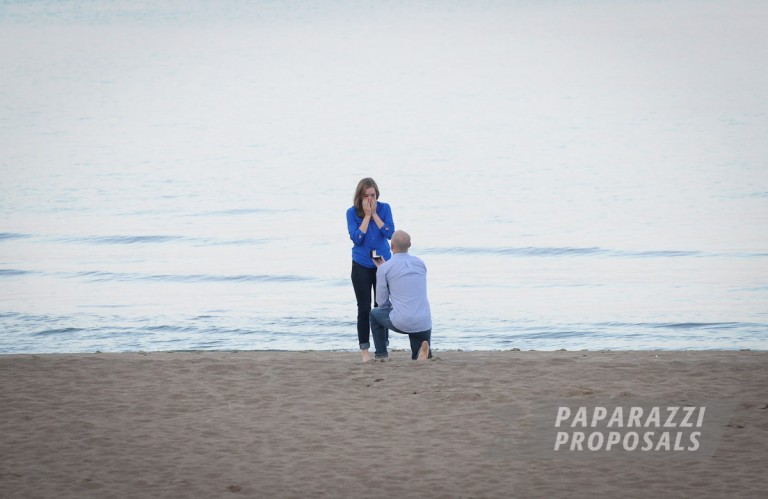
x,y
401,282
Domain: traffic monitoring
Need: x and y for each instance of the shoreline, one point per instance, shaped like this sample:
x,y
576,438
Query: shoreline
x,y
354,351
296,424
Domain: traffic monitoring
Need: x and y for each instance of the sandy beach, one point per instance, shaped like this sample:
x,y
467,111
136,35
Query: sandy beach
x,y
322,424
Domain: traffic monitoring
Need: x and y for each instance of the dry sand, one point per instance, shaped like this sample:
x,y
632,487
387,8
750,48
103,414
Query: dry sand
x,y
321,424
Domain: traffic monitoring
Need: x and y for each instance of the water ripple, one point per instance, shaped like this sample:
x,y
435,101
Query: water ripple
x,y
118,239
154,239
52,332
679,325
236,212
576,252
698,325
99,276
13,272
526,251
167,328
12,235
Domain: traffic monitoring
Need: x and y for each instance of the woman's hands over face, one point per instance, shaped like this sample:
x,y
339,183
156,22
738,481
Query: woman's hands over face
x,y
369,206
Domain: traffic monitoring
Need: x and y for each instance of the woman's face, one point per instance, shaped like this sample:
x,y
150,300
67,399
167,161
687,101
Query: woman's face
x,y
369,194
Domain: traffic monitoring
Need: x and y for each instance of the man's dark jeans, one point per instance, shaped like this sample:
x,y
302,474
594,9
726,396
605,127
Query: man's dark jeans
x,y
380,324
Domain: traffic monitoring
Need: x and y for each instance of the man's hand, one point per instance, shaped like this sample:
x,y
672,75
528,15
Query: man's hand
x,y
378,261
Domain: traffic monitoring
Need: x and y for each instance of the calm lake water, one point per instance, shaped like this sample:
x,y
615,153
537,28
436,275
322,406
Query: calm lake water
x,y
579,175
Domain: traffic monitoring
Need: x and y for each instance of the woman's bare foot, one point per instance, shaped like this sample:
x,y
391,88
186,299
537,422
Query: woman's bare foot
x,y
423,351
366,356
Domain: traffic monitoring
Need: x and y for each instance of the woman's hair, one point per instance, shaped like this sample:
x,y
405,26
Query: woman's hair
x,y
363,186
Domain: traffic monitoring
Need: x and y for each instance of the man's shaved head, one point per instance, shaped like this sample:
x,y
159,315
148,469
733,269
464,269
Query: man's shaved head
x,y
401,241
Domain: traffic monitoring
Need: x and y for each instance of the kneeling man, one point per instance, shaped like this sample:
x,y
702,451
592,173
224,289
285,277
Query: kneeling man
x,y
401,289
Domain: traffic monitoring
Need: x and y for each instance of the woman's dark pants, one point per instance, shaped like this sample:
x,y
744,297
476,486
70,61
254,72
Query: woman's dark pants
x,y
364,280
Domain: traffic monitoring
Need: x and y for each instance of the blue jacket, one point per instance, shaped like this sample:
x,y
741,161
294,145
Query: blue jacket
x,y
373,238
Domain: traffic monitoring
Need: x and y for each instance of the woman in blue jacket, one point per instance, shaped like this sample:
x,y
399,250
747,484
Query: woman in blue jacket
x,y
370,227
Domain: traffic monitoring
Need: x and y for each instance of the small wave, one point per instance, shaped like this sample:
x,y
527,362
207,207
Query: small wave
x,y
120,239
552,334
236,212
228,242
12,235
167,328
525,251
234,278
51,332
13,272
674,325
157,239
697,325
317,322
659,253
560,251
118,276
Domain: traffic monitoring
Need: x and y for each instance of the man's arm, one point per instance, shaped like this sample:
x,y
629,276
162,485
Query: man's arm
x,y
382,287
